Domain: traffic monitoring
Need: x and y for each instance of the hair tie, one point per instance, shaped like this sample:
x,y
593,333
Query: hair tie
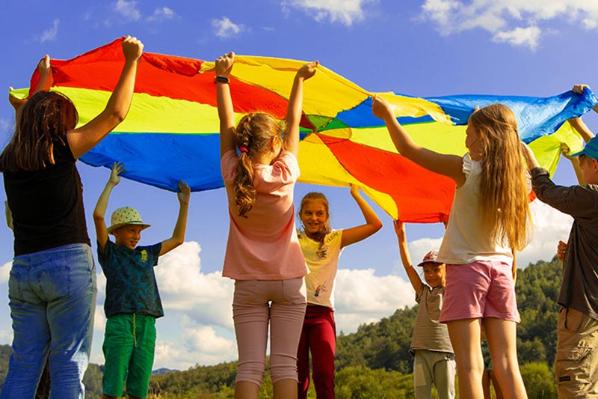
x,y
243,148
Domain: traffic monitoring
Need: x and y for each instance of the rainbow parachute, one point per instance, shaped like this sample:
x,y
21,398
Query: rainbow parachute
x,y
171,131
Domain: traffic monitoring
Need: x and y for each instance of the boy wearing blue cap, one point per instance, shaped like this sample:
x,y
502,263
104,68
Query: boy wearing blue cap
x,y
132,299
576,365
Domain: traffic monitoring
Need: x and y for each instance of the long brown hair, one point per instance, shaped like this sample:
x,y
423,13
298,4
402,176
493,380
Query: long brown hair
x,y
43,120
326,228
252,134
504,198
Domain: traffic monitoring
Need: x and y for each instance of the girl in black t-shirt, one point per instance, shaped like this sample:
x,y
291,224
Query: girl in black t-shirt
x,y
52,280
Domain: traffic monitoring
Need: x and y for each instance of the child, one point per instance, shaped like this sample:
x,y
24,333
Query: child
x,y
434,362
321,247
263,254
576,366
53,281
489,219
132,300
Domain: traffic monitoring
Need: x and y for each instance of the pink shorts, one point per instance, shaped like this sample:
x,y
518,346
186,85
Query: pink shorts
x,y
478,290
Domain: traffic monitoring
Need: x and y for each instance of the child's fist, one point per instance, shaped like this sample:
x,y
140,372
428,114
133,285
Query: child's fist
x,y
184,193
132,48
224,64
308,70
381,108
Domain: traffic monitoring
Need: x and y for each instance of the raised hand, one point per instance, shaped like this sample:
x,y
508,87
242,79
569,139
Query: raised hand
x,y
579,88
224,64
184,193
381,108
308,70
117,169
44,67
132,48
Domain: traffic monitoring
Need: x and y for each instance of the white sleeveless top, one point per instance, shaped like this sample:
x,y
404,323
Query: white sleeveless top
x,y
466,239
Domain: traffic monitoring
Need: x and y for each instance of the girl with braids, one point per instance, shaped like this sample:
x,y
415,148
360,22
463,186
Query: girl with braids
x,y
322,247
52,284
489,221
263,254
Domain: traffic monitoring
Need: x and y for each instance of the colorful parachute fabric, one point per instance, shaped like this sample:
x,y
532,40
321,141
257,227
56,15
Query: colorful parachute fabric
x,y
171,131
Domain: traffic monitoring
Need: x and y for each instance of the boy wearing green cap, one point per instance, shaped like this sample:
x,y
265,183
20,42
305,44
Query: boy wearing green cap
x,y
576,364
132,299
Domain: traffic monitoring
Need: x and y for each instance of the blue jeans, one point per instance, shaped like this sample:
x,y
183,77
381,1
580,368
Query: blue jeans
x,y
52,302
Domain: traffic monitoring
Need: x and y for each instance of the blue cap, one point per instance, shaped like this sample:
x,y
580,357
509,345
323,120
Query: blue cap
x,y
590,150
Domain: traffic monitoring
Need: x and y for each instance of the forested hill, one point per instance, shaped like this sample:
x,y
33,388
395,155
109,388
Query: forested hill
x,y
374,362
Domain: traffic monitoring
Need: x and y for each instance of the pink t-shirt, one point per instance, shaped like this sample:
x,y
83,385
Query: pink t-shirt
x,y
264,245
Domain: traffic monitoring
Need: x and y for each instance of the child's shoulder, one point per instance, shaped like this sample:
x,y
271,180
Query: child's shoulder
x,y
333,236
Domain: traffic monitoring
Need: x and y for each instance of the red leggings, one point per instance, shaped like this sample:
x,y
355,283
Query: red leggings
x,y
319,336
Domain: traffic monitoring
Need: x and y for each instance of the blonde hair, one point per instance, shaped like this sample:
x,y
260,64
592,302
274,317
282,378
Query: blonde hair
x,y
326,228
504,198
253,134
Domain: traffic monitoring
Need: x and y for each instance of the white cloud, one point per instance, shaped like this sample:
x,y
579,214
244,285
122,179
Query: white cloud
x,y
515,22
162,13
5,272
199,344
224,27
529,37
343,11
362,297
50,34
204,297
6,336
128,9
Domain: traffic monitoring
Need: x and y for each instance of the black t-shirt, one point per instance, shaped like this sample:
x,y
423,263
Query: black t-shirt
x,y
47,204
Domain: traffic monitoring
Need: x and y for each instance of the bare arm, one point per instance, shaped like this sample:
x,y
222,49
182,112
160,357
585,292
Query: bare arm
x,y
414,278
372,222
294,111
581,128
447,165
84,138
45,76
178,235
100,210
226,113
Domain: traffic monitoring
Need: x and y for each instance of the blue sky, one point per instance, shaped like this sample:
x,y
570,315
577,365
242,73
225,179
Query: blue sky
x,y
433,47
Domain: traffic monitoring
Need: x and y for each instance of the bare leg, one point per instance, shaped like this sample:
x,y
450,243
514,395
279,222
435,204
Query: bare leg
x,y
249,390
502,341
465,337
285,389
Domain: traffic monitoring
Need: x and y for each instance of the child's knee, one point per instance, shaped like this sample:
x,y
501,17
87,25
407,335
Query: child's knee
x,y
252,371
283,368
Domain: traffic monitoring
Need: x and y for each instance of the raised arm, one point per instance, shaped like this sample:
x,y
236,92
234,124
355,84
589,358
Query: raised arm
x,y
226,113
585,133
414,278
178,235
100,210
45,76
577,200
294,111
581,128
84,138
447,165
44,84
361,232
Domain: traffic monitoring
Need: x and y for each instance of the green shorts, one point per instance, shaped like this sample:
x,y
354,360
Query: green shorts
x,y
129,344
